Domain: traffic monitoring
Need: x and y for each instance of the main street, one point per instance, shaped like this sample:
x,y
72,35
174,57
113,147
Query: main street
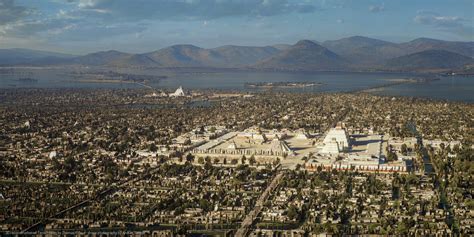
x,y
252,215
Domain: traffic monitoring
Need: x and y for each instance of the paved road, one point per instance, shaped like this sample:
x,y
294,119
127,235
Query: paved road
x,y
250,218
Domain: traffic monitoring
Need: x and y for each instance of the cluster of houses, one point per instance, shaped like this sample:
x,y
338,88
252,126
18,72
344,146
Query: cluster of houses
x,y
328,206
61,147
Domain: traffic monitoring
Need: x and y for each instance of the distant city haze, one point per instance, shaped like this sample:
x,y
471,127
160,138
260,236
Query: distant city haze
x,y
85,26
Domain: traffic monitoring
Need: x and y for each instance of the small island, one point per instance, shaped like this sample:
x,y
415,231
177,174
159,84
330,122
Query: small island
x,y
282,84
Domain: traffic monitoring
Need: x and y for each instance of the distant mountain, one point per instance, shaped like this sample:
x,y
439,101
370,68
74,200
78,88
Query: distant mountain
x,y
192,56
184,56
134,60
429,60
364,51
422,44
352,53
281,47
236,56
100,58
305,55
28,56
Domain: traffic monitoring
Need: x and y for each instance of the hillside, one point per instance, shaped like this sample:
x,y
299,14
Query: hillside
x,y
364,51
429,59
352,53
305,56
184,56
422,44
134,60
229,56
28,56
236,56
100,58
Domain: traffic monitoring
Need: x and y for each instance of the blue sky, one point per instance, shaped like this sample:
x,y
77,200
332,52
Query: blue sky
x,y
83,26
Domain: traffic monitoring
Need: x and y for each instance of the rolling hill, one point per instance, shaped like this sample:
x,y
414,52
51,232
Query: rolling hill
x,y
184,56
100,58
363,50
352,53
244,55
229,56
28,56
305,55
429,60
422,44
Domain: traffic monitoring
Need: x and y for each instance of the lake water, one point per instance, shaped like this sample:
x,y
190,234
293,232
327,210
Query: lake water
x,y
447,88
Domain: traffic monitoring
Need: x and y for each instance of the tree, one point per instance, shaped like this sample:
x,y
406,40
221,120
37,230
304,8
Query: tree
x,y
349,187
153,147
395,187
391,156
244,159
208,165
201,160
292,212
189,157
404,149
252,160
205,205
276,162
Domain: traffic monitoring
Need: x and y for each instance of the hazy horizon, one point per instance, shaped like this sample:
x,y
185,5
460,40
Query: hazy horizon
x,y
85,26
217,46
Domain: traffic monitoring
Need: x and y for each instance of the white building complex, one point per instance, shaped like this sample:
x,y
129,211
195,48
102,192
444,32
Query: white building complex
x,y
336,150
358,152
264,145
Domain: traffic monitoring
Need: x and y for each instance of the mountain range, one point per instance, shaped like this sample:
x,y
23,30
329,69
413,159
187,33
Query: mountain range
x,y
305,55
352,53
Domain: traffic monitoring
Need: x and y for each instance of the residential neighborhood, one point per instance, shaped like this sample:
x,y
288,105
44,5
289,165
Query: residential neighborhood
x,y
261,164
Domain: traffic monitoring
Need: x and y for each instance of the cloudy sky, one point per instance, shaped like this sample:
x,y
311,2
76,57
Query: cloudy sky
x,y
83,26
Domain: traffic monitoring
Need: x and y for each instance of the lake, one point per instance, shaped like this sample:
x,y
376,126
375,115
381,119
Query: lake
x,y
455,88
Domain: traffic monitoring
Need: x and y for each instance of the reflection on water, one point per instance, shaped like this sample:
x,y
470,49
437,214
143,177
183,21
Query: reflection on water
x,y
449,88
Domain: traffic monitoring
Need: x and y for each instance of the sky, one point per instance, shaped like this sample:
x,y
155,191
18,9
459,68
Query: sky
x,y
137,26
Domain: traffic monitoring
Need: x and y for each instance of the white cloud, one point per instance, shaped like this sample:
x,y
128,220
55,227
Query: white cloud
x,y
127,10
454,24
10,12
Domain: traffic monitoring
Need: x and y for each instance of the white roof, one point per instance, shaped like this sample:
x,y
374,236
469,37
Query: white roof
x,y
331,147
178,92
339,135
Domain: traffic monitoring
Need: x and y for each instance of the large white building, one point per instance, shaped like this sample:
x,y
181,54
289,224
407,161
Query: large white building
x,y
178,93
336,141
359,152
